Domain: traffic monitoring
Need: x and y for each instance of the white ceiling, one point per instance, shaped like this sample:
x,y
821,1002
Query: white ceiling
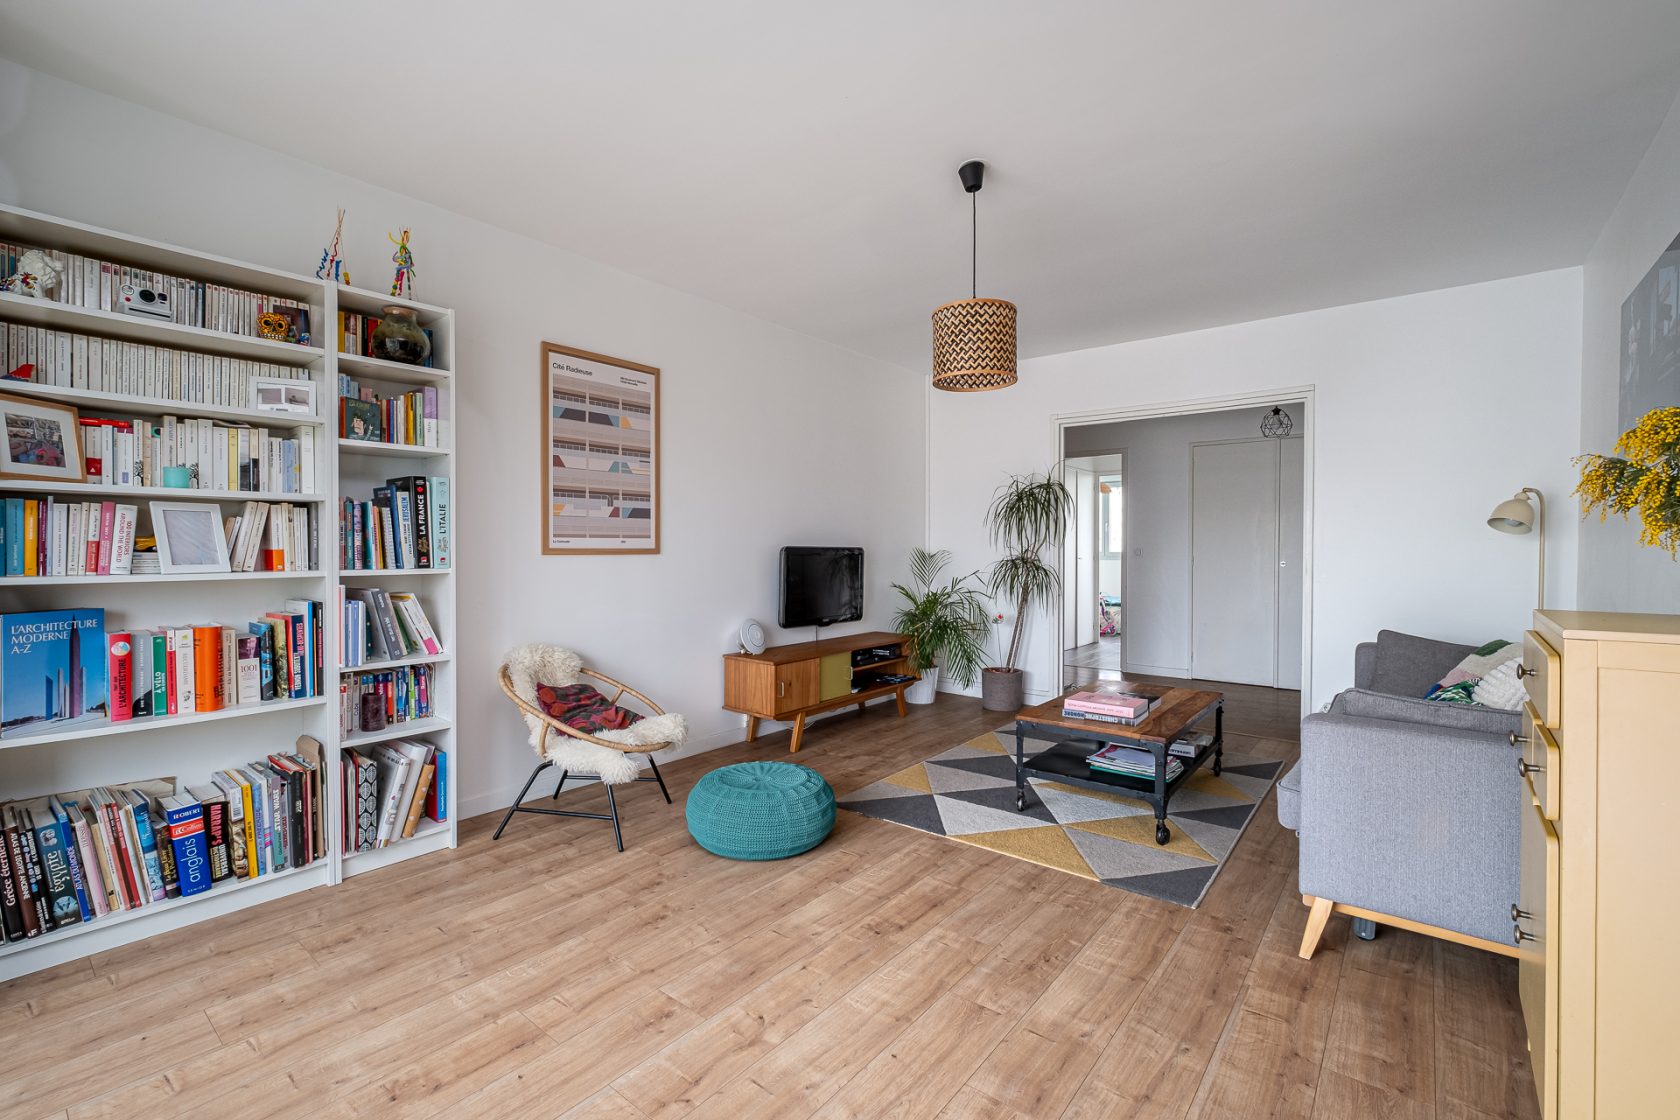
x,y
1155,167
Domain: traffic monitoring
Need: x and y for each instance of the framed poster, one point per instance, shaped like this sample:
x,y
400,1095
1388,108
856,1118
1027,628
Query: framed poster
x,y
43,440
600,471
1650,373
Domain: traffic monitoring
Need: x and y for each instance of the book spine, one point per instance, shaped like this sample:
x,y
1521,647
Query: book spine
x,y
30,917
215,835
73,856
11,914
119,664
37,878
192,855
57,883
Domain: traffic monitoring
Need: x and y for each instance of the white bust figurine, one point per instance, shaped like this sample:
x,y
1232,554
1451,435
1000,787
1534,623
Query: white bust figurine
x,y
35,276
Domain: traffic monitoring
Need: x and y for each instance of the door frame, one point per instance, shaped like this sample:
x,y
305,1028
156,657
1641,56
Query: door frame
x,y
1306,394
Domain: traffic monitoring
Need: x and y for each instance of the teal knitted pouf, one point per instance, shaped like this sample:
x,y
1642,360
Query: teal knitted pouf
x,y
760,810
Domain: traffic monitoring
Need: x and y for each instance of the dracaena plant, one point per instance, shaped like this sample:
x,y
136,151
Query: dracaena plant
x,y
1028,517
945,621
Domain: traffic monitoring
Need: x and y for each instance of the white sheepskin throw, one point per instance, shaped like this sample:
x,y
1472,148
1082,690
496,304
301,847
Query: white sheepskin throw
x,y
540,663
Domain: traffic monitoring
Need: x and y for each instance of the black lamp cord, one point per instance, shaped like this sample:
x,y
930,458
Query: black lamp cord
x,y
974,244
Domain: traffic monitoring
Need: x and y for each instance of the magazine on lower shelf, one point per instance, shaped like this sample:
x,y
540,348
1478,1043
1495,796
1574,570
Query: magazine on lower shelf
x,y
1134,762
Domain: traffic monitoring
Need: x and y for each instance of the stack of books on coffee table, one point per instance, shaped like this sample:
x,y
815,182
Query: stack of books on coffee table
x,y
1107,707
1133,762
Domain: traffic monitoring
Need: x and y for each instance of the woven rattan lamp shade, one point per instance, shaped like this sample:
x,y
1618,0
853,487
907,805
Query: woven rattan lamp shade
x,y
974,345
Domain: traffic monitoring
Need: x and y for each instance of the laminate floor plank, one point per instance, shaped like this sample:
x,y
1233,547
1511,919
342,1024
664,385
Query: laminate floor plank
x,y
889,973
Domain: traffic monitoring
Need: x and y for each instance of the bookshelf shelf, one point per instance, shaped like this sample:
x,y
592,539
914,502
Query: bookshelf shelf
x,y
129,405
393,450
174,493
153,332
396,373
389,573
169,577
191,747
398,663
156,909
106,729
408,730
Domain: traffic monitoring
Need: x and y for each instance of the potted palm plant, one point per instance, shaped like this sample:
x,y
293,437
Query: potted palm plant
x,y
945,623
1027,518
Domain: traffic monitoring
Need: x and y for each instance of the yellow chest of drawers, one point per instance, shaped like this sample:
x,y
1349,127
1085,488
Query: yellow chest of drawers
x,y
1597,922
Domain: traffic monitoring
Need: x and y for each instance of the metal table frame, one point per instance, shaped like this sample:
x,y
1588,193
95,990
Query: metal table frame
x,y
1157,792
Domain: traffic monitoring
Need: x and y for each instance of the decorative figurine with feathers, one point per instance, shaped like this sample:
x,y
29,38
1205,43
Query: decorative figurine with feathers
x,y
35,276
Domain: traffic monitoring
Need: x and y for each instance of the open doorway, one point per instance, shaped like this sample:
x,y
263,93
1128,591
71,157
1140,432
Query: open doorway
x,y
1187,557
1094,570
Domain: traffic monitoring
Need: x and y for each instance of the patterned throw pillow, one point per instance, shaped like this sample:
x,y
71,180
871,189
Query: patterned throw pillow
x,y
582,708
1459,686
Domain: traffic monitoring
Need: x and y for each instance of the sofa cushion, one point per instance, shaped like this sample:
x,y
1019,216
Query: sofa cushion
x,y
1359,703
1289,799
1409,666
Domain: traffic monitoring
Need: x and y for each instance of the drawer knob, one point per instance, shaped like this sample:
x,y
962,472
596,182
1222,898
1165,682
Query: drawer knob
x,y
1527,768
1519,935
1518,915
1518,740
1525,671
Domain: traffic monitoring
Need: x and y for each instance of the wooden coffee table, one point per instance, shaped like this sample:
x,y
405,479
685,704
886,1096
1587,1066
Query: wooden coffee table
x,y
1075,740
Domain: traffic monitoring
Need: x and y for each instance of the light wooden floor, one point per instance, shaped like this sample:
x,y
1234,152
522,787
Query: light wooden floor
x,y
888,973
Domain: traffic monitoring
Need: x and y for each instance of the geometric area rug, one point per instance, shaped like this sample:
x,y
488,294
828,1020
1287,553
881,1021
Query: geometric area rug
x,y
968,794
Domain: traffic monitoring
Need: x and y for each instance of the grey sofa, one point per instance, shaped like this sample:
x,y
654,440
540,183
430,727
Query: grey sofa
x,y
1408,810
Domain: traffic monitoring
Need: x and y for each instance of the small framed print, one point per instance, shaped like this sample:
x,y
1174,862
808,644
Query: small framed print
x,y
282,394
43,440
190,537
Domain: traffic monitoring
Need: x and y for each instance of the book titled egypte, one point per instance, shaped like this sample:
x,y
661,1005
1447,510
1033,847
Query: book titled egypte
x,y
52,670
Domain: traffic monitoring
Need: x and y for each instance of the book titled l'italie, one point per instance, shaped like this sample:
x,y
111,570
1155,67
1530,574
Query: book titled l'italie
x,y
52,670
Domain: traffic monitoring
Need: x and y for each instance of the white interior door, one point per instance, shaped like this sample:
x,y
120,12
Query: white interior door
x,y
1085,558
1291,501
1234,561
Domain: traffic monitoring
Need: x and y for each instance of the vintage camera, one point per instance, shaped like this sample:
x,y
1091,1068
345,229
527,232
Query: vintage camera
x,y
138,300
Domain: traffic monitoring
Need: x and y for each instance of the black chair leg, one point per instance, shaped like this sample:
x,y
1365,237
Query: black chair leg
x,y
560,786
659,779
612,807
541,766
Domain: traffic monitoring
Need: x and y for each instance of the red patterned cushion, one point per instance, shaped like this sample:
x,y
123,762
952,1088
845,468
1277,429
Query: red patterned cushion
x,y
582,708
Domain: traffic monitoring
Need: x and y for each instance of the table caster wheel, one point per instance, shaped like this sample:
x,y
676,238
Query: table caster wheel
x,y
1020,802
1218,764
1161,833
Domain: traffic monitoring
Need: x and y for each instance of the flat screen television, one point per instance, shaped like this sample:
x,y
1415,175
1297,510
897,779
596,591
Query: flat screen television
x,y
821,586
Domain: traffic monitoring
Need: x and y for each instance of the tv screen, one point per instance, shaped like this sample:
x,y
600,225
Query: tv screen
x,y
821,586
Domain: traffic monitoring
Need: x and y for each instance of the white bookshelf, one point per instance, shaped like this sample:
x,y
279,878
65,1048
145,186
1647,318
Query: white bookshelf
x,y
189,747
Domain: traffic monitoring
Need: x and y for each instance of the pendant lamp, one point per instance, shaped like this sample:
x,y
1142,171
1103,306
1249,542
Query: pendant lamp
x,y
974,339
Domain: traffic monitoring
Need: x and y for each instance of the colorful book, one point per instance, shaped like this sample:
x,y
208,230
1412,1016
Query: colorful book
x,y
52,670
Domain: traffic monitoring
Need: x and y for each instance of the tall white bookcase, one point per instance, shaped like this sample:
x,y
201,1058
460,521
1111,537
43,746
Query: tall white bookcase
x,y
189,747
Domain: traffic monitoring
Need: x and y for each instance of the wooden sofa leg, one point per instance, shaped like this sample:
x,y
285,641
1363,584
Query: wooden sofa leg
x,y
1317,917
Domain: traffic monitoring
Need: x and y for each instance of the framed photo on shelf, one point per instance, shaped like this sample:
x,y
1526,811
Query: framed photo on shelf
x,y
190,537
43,440
600,468
282,394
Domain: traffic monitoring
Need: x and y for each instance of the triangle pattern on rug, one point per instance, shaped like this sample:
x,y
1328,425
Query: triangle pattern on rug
x,y
1070,807
951,779
993,766
915,777
1184,887
1140,829
1047,846
916,810
1266,770
1115,859
962,816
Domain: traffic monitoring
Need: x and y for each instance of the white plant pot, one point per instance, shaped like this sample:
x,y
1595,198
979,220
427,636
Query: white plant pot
x,y
924,690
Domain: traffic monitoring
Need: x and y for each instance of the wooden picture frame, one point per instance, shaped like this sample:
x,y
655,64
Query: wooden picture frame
x,y
600,462
43,430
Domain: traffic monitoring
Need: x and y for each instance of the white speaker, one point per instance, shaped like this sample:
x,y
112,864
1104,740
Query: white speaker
x,y
752,636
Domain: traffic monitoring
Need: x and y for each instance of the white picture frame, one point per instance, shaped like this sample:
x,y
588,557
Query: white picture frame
x,y
190,537
283,394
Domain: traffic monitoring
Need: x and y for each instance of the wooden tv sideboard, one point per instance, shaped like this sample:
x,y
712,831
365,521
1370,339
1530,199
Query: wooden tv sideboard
x,y
794,681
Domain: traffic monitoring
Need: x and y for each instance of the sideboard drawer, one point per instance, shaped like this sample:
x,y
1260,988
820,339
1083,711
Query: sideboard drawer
x,y
1542,673
1542,763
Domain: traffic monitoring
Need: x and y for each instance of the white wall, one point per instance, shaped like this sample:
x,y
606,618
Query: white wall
x,y
758,420
1157,495
1429,409
1616,571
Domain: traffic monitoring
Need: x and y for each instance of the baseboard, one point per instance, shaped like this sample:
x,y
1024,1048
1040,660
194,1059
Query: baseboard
x,y
1177,671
